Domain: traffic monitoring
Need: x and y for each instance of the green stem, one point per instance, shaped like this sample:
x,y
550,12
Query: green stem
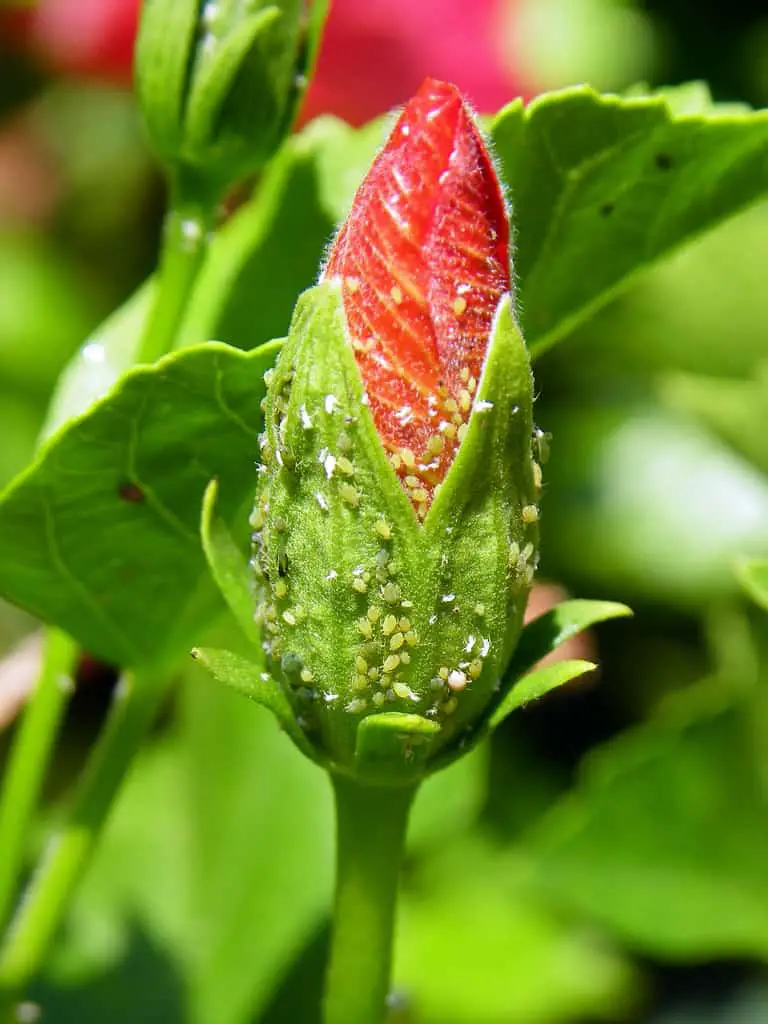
x,y
185,242
370,832
29,757
134,707
186,234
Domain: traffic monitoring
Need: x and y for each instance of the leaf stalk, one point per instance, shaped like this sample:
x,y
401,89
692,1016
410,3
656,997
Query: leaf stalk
x,y
137,699
29,758
186,237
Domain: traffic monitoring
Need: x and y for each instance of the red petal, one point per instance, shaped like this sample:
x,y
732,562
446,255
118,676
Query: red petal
x,y
424,258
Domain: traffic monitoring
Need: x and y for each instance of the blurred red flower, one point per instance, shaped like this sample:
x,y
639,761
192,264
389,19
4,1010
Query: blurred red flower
x,y
374,55
81,38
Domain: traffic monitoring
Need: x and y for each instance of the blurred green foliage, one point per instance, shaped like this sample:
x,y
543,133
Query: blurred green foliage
x,y
604,859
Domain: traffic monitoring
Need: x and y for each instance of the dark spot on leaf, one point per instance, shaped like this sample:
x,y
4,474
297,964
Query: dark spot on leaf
x,y
607,209
663,161
131,492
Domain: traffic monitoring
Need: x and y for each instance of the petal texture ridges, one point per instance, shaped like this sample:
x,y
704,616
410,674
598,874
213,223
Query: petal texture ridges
x,y
424,261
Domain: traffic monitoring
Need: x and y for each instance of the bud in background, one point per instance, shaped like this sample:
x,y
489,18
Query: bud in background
x,y
220,82
396,522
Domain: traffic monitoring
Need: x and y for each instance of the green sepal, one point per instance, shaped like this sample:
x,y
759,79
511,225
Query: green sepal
x,y
228,565
522,682
313,539
549,630
541,637
249,679
160,69
475,529
213,78
220,83
394,748
537,683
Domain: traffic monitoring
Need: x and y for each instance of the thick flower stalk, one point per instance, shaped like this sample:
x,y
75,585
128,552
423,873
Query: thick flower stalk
x,y
396,521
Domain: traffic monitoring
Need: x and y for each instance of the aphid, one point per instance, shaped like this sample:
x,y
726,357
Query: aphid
x,y
541,443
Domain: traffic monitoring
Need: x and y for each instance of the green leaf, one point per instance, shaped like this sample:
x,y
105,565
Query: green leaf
x,y
475,946
651,505
733,409
663,842
214,871
100,360
449,802
262,841
603,187
754,577
228,565
536,684
675,316
250,679
101,534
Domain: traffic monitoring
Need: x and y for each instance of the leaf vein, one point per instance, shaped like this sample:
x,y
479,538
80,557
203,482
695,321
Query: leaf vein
x,y
71,580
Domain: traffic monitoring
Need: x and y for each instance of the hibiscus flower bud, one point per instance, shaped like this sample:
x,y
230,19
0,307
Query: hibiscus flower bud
x,y
396,520
219,82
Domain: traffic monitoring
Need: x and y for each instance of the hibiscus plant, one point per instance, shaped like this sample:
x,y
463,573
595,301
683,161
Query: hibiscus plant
x,y
340,522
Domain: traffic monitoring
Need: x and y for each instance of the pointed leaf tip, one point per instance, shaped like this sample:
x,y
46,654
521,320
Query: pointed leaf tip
x,y
547,632
536,684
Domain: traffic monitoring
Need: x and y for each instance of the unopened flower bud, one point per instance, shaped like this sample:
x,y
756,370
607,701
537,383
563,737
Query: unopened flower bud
x,y
396,520
219,82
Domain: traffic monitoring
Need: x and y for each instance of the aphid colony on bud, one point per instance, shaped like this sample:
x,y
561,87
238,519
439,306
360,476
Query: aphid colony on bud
x,y
421,472
386,626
